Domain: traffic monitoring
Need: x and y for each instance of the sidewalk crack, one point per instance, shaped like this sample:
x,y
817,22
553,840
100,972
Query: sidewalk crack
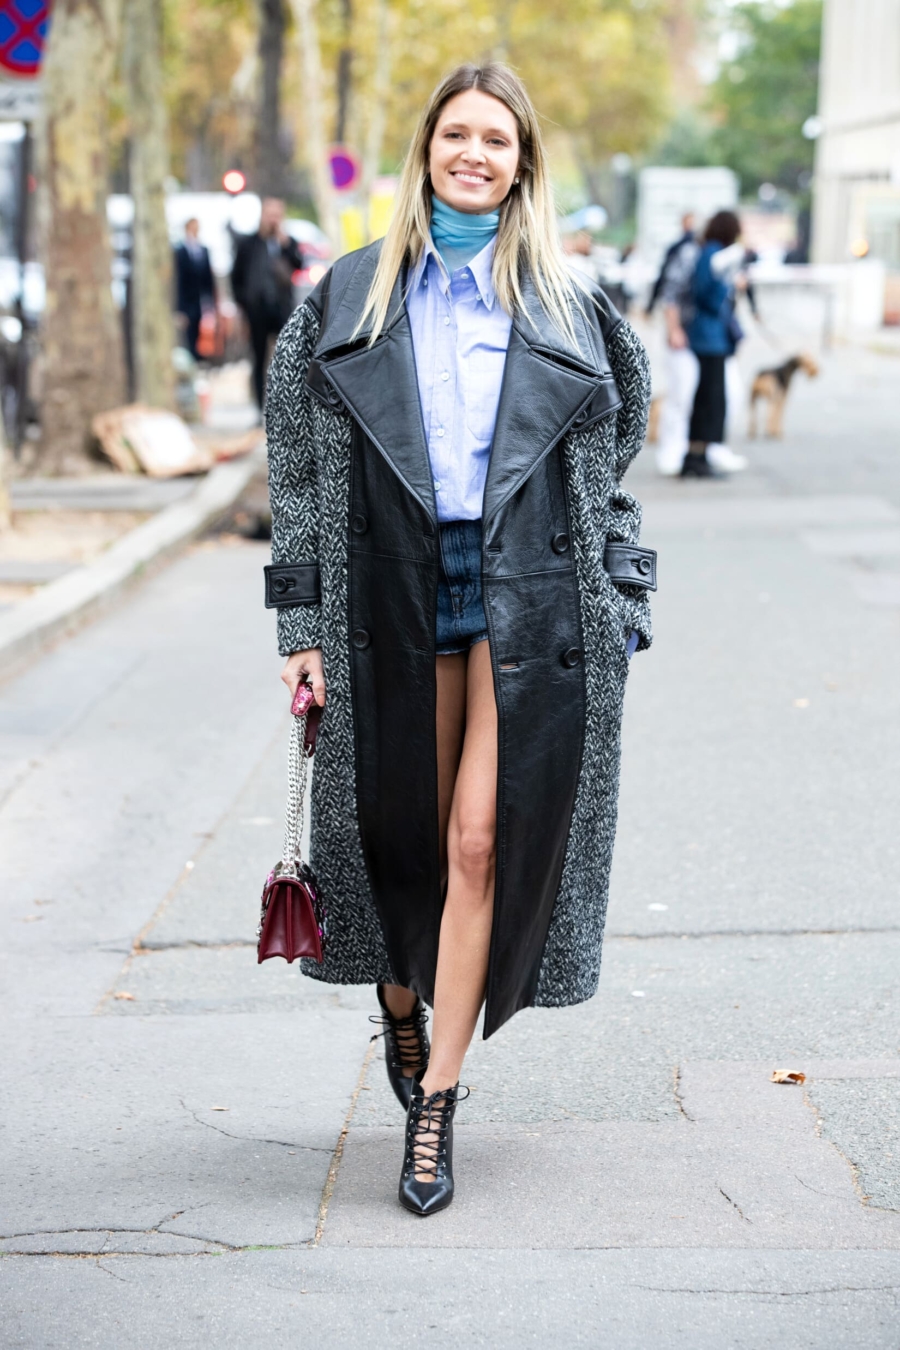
x,y
679,1100
734,1204
331,1179
250,1138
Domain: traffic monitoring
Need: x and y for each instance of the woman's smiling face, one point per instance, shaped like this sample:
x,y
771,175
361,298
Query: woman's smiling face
x,y
474,152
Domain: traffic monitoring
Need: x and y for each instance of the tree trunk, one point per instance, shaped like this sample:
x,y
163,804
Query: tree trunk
x,y
316,145
84,367
268,177
344,73
153,326
377,118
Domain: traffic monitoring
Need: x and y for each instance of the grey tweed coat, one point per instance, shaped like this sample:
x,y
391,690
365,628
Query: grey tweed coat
x,y
355,548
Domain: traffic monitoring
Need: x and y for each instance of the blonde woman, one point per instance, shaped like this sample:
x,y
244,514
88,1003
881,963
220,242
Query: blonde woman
x,y
456,573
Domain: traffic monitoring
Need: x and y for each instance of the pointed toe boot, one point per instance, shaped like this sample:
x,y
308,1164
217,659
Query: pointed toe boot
x,y
426,1182
405,1046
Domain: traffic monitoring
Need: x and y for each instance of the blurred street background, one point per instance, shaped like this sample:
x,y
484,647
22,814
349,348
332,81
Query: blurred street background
x,y
197,1151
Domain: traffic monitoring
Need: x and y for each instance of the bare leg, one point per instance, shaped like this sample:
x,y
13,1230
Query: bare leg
x,y
450,672
471,855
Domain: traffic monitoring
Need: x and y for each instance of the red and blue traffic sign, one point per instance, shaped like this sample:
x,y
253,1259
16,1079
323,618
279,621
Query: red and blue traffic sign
x,y
24,25
346,168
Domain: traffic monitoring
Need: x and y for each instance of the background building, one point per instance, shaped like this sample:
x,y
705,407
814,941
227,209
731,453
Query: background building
x,y
857,178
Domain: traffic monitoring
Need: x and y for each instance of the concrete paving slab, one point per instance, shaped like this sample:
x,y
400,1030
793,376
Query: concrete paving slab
x,y
785,1001
760,730
219,1130
862,1119
62,606
720,512
743,1163
192,980
105,816
99,492
858,543
503,1300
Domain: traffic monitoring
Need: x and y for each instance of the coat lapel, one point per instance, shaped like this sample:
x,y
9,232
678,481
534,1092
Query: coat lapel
x,y
549,386
379,384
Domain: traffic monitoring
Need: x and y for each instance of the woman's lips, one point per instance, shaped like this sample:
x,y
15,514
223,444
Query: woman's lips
x,y
475,178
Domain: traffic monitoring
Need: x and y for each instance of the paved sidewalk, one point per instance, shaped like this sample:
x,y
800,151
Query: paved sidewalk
x,y
202,1152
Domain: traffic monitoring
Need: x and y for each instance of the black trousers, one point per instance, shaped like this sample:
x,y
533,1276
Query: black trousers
x,y
191,329
263,328
708,415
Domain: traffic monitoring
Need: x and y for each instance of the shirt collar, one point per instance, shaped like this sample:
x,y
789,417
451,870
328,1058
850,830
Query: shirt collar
x,y
480,267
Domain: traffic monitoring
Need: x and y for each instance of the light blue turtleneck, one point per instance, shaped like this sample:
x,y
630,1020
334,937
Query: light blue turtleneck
x,y
460,235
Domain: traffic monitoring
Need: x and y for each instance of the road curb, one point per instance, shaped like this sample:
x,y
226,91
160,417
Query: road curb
x,y
62,606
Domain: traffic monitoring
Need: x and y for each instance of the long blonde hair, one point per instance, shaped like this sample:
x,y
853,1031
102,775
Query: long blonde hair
x,y
527,236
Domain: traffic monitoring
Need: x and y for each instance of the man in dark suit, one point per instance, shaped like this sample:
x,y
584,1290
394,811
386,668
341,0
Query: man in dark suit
x,y
686,237
262,284
195,285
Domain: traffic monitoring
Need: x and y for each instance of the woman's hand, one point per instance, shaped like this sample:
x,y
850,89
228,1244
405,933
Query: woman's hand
x,y
302,664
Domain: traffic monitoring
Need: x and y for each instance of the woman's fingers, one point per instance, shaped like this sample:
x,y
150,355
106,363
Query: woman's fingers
x,y
301,665
317,680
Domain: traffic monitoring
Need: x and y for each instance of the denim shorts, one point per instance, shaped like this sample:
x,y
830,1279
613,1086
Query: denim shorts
x,y
460,612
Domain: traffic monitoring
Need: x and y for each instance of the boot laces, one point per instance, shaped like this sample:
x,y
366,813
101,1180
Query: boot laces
x,y
427,1128
405,1036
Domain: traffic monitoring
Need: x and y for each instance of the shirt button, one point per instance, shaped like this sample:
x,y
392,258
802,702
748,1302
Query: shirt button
x,y
437,486
425,282
446,320
446,375
440,431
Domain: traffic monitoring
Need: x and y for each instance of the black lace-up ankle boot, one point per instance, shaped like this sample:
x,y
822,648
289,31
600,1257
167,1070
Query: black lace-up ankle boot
x,y
426,1182
405,1045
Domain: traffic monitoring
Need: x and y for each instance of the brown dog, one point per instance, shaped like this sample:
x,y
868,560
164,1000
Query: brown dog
x,y
772,386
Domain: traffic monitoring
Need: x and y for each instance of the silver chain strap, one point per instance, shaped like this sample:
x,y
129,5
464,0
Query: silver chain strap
x,y
298,768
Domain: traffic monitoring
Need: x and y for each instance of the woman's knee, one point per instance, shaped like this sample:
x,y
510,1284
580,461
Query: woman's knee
x,y
472,848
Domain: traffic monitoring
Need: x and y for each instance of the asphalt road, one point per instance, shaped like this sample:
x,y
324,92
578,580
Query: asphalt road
x,y
199,1152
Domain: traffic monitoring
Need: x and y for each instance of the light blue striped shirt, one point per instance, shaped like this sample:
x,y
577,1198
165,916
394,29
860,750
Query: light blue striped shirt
x,y
460,334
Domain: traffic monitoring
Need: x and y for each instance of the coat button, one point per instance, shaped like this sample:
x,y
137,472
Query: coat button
x,y
644,566
559,543
333,397
582,417
571,657
359,524
360,639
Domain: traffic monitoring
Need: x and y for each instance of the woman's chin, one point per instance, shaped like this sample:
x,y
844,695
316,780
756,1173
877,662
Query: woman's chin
x,y
467,198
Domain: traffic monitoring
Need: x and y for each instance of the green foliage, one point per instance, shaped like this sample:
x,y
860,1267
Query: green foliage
x,y
686,144
761,99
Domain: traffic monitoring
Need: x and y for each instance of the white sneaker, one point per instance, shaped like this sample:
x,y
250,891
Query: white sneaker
x,y
723,458
669,464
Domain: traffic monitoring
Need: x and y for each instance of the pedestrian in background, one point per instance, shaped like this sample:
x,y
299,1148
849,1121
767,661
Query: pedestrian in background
x,y
713,334
262,284
674,289
445,546
195,287
687,237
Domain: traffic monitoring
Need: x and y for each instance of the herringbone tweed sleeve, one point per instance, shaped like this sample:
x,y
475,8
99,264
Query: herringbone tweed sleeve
x,y
293,471
631,368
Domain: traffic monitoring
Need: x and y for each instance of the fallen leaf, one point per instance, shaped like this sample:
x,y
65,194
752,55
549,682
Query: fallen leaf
x,y
123,993
31,918
801,702
220,1108
787,1076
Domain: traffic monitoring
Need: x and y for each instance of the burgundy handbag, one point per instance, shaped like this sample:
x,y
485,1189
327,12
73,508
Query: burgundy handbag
x,y
292,918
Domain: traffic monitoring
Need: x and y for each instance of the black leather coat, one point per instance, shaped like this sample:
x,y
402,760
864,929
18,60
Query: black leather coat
x,y
535,617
